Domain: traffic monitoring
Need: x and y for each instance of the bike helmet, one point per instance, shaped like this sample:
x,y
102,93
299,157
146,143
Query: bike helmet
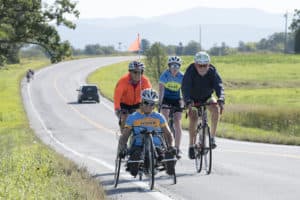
x,y
149,95
174,60
136,65
202,58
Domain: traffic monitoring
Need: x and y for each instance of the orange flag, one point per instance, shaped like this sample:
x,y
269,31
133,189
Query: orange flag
x,y
135,46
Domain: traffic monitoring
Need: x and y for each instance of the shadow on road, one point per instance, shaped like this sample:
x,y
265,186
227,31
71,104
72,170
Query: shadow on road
x,y
76,103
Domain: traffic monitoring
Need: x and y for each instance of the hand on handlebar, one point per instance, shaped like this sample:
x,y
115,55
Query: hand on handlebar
x,y
118,113
221,105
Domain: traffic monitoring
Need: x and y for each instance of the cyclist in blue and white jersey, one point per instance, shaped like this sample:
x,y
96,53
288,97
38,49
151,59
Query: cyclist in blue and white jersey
x,y
170,95
140,120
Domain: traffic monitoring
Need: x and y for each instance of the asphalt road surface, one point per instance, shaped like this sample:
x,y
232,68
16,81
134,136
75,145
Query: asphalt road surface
x,y
87,134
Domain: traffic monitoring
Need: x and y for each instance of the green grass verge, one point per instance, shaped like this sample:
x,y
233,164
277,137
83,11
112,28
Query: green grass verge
x,y
262,92
28,168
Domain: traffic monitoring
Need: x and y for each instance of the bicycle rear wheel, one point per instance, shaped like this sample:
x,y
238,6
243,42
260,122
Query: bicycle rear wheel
x,y
117,170
207,151
150,161
171,125
198,151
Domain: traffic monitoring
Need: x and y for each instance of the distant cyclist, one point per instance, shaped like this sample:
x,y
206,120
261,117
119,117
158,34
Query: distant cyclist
x,y
200,80
29,74
147,119
127,94
170,94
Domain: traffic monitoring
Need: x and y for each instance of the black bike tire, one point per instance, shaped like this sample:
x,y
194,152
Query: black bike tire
x,y
209,153
198,154
174,177
171,125
150,152
117,171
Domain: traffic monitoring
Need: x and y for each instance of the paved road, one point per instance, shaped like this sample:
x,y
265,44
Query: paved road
x,y
87,134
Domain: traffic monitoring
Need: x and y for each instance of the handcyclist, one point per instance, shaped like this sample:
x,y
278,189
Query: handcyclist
x,y
127,94
200,80
170,95
147,119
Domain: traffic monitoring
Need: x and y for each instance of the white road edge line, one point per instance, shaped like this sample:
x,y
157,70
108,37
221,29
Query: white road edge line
x,y
156,194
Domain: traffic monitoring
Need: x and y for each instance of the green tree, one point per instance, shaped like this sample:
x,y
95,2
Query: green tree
x,y
179,49
156,59
171,49
297,41
31,22
219,51
191,48
145,45
295,27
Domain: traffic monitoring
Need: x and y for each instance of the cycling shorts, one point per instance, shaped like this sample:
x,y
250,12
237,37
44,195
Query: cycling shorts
x,y
173,102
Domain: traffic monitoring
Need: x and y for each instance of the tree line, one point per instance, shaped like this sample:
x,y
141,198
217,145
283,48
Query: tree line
x,y
24,23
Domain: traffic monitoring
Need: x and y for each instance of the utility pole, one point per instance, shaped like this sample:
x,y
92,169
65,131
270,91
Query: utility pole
x,y
285,32
120,44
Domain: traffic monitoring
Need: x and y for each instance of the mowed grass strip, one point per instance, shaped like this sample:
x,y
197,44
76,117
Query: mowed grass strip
x,y
263,92
29,169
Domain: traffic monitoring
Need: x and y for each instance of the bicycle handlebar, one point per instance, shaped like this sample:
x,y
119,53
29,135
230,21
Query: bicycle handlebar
x,y
204,104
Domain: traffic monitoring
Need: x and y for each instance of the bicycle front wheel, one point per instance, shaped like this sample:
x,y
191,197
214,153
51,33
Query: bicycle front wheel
x,y
198,151
117,170
150,161
207,150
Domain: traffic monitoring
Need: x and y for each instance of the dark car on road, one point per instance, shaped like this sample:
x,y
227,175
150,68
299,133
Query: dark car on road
x,y
88,93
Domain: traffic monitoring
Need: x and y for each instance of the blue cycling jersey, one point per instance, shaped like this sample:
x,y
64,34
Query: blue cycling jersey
x,y
139,121
172,84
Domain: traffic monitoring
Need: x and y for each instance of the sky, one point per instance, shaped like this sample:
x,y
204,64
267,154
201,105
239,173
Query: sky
x,y
151,8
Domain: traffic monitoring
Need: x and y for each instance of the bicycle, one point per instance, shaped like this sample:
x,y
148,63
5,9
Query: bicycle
x,y
29,75
203,147
149,163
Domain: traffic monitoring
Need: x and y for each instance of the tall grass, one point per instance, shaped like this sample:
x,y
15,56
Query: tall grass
x,y
29,169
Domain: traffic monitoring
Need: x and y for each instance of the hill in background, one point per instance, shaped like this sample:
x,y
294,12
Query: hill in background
x,y
217,25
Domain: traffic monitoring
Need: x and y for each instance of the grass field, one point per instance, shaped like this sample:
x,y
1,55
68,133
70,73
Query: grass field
x,y
29,169
262,95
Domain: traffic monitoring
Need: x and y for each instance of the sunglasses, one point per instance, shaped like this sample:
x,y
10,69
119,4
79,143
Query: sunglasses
x,y
147,103
137,72
202,66
174,66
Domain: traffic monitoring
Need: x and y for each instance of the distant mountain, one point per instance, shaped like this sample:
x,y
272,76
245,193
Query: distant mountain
x,y
217,25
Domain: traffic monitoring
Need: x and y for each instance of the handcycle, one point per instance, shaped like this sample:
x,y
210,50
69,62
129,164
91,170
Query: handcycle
x,y
203,146
149,163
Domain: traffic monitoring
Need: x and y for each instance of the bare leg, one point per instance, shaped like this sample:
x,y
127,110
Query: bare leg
x,y
178,128
214,110
192,128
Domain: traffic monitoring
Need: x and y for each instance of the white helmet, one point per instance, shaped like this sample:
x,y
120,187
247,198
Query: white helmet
x,y
202,58
136,65
174,60
149,95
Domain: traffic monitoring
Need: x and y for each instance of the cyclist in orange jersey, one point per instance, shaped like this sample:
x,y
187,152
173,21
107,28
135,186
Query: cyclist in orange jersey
x,y
127,95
